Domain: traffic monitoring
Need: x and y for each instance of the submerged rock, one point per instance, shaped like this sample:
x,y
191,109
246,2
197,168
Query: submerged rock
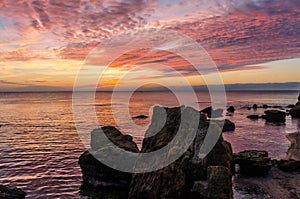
x,y
9,192
275,116
231,109
178,179
140,117
253,117
253,162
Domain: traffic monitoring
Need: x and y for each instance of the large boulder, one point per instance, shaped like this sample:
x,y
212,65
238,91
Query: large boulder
x,y
289,165
99,180
253,162
178,179
275,116
11,192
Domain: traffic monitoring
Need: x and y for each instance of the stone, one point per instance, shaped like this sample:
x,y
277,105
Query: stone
x,y
289,165
290,106
254,106
11,192
295,112
231,109
265,106
99,180
212,113
253,162
219,184
178,178
253,117
294,149
140,117
275,116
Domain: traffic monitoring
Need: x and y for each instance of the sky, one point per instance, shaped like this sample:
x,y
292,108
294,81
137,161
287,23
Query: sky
x,y
44,44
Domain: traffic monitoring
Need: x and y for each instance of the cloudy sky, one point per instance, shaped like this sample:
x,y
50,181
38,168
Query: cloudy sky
x,y
46,42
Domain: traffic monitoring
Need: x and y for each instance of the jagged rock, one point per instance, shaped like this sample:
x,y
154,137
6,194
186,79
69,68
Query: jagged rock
x,y
294,149
140,117
289,165
253,163
231,109
99,180
253,117
219,185
177,179
212,113
275,116
10,192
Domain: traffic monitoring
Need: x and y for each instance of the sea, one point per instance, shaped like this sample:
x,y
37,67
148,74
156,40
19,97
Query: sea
x,y
40,144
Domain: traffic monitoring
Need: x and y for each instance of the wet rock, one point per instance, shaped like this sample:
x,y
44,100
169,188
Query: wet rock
x,y
253,162
289,165
212,113
254,106
253,117
295,112
10,192
219,184
275,116
177,180
278,107
99,180
140,117
290,106
265,106
231,109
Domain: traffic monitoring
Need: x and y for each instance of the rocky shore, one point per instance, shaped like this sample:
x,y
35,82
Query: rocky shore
x,y
187,177
220,175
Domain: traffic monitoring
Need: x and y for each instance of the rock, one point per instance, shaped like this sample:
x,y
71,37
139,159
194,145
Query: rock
x,y
227,125
99,180
249,108
265,106
140,117
10,192
253,117
275,116
295,112
253,163
294,149
212,113
290,106
254,106
231,109
279,107
219,184
178,179
289,165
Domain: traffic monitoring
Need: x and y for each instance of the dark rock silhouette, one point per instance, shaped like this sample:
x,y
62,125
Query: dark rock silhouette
x,y
275,116
295,111
140,117
231,109
212,113
265,106
253,163
99,180
9,192
253,117
180,179
289,165
254,106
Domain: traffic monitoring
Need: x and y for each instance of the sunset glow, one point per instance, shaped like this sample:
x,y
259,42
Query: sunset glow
x,y
46,44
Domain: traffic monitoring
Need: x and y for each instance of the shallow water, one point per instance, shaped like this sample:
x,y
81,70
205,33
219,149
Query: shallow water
x,y
40,145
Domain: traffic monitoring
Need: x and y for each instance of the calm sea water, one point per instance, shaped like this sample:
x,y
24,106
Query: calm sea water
x,y
40,145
